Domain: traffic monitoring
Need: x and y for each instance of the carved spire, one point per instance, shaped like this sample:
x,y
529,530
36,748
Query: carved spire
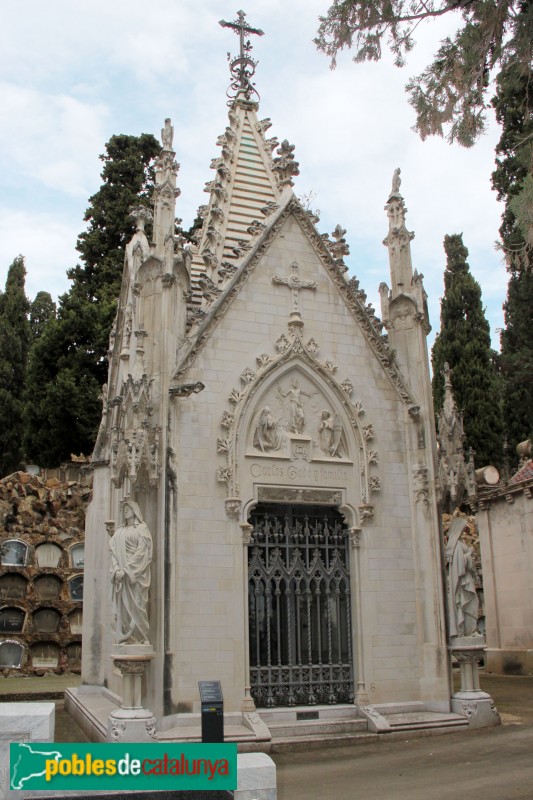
x,y
165,192
242,67
405,282
398,240
455,475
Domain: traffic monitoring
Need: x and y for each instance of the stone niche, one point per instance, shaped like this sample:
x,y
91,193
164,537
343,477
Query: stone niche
x,y
13,586
74,654
45,655
48,587
48,555
46,620
11,654
75,619
12,619
77,555
75,588
14,553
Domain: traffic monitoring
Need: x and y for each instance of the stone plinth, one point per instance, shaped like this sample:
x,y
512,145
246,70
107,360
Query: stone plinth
x,y
22,722
470,701
131,722
256,777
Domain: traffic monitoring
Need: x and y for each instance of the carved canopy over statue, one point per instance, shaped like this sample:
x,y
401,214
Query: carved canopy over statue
x,y
463,599
131,555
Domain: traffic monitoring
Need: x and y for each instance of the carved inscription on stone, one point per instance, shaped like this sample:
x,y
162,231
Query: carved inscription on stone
x,y
300,473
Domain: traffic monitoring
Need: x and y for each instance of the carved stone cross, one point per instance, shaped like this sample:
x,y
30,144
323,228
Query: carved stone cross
x,y
295,283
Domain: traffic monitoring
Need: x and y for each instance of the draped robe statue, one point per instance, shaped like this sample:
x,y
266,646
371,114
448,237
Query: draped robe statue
x,y
463,599
131,555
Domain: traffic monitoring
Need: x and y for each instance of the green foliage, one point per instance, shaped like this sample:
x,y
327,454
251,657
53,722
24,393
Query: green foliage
x,y
464,342
512,180
452,90
68,363
42,310
14,344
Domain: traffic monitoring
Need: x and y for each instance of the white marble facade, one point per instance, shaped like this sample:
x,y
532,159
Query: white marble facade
x,y
249,370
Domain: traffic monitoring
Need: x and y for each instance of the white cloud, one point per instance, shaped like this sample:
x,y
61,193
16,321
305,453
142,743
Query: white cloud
x,y
77,72
52,138
47,244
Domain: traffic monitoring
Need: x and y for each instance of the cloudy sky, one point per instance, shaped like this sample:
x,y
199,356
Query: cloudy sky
x,y
75,72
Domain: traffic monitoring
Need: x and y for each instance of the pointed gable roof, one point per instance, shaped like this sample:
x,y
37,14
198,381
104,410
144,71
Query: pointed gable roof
x,y
246,188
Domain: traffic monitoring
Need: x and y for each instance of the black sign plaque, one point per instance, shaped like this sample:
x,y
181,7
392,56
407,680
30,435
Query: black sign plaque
x,y
210,691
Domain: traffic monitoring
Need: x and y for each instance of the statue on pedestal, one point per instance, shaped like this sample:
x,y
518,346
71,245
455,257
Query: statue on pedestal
x,y
131,555
463,599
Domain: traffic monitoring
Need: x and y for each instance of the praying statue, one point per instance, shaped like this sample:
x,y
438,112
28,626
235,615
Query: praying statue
x,y
462,574
268,435
131,555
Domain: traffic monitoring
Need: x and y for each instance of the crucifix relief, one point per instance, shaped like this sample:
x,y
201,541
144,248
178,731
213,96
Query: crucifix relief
x,y
295,283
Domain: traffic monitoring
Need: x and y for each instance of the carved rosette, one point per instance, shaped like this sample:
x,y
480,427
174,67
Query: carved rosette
x,y
287,347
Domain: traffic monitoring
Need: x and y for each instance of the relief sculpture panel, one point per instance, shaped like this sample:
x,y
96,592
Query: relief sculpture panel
x,y
295,420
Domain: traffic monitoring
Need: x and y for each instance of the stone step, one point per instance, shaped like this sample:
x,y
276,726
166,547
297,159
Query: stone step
x,y
281,730
424,720
295,713
294,744
193,733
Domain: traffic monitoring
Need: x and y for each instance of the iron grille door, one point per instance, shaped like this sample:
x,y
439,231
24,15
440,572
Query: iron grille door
x,y
299,606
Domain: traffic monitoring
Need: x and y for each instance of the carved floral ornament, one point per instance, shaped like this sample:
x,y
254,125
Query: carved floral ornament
x,y
291,350
135,442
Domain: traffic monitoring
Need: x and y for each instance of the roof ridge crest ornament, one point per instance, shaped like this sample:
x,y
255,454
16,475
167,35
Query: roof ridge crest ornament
x,y
242,67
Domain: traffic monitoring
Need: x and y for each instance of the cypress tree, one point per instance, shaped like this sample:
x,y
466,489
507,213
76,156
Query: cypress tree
x,y
464,342
42,309
513,180
14,345
68,362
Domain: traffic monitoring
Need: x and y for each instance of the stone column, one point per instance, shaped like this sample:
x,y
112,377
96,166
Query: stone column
x,y
470,701
131,722
361,695
247,705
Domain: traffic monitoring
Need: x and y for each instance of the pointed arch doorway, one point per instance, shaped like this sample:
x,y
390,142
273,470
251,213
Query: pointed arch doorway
x,y
300,640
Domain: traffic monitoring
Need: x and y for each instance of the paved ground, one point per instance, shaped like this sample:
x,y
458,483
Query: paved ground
x,y
492,764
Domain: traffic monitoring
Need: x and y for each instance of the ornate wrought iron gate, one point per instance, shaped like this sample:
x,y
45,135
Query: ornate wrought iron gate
x,y
299,606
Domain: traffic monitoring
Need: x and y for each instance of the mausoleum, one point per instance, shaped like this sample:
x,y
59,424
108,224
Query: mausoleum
x,y
277,442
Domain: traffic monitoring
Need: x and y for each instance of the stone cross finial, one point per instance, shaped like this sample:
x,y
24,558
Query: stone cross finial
x,y
242,68
241,27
